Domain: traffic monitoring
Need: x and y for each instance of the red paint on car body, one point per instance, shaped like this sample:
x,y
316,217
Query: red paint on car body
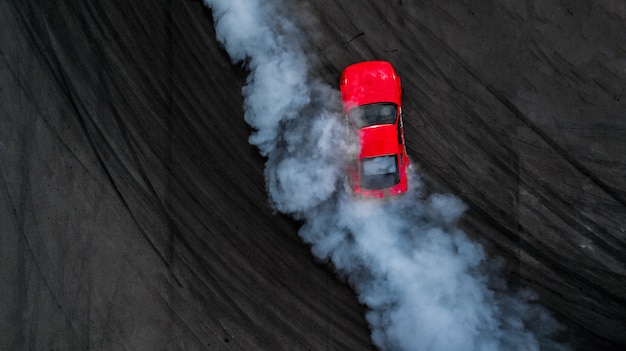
x,y
372,100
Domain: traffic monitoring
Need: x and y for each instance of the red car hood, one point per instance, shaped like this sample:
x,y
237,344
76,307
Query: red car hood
x,y
369,82
378,140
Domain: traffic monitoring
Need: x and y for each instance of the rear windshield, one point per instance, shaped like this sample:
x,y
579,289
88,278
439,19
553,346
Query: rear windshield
x,y
379,172
372,114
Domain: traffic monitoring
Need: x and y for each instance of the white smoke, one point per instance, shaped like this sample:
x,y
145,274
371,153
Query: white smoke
x,y
426,285
293,113
424,281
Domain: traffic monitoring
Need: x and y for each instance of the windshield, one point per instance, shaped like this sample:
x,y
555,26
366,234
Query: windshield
x,y
368,115
379,172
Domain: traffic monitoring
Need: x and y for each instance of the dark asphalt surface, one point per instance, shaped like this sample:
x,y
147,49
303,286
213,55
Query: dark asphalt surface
x,y
133,213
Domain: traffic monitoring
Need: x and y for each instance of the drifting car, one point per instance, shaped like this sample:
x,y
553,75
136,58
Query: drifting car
x,y
371,95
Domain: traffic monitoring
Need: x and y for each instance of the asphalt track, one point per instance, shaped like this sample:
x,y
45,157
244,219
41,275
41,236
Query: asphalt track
x,y
133,214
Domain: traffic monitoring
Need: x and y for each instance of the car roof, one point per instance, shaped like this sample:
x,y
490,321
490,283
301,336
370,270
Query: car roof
x,y
379,140
369,82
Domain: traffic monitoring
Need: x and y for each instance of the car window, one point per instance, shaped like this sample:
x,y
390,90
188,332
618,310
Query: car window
x,y
379,172
372,114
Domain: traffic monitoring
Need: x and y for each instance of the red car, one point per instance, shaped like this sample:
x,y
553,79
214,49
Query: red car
x,y
371,96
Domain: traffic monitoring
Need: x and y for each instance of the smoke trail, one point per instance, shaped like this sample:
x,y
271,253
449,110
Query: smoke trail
x,y
295,128
427,286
